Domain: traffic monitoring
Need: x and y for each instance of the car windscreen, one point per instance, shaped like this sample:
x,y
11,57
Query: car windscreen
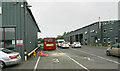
x,y
7,51
49,40
115,46
66,43
77,43
60,41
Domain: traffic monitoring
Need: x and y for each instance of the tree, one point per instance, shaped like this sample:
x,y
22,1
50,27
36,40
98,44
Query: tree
x,y
41,40
59,37
64,33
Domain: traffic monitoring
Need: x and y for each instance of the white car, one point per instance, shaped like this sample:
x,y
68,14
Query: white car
x,y
76,45
8,57
59,42
65,45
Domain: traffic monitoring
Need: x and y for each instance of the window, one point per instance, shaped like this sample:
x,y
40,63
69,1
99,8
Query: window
x,y
0,10
92,31
105,23
1,43
85,32
116,39
104,30
111,29
104,40
8,38
1,33
49,40
112,22
9,33
108,39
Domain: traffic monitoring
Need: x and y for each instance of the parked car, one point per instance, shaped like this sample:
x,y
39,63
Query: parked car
x,y
114,50
76,45
69,43
59,42
65,45
8,57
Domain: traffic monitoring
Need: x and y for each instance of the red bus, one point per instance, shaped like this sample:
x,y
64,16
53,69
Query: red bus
x,y
49,43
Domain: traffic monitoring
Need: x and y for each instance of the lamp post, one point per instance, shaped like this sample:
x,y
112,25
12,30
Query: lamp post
x,y
99,34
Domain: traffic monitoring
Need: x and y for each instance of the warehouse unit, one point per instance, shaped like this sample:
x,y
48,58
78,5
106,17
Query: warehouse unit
x,y
98,33
119,23
110,32
18,27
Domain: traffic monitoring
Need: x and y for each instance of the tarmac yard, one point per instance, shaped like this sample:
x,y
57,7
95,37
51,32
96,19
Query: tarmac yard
x,y
80,59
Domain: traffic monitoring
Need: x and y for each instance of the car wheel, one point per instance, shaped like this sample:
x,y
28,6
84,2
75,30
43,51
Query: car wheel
x,y
2,65
108,53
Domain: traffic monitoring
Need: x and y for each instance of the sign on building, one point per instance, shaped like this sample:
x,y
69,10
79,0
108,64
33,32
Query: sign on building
x,y
0,10
13,41
19,42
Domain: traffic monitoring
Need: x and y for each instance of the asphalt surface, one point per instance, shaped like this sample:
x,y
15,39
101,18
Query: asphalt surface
x,y
84,59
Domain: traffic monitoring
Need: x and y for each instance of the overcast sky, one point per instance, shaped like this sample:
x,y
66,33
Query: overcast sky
x,y
55,17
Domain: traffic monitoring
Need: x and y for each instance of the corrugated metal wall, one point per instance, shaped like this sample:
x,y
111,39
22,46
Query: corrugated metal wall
x,y
93,37
108,33
14,15
31,33
1,15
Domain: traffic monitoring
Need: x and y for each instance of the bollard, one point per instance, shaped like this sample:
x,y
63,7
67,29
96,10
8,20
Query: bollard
x,y
97,45
90,44
109,45
25,55
101,45
34,53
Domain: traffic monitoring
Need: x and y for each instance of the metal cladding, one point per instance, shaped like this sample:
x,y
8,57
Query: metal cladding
x,y
19,16
102,33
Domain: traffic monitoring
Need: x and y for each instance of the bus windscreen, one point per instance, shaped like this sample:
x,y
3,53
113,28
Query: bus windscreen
x,y
49,40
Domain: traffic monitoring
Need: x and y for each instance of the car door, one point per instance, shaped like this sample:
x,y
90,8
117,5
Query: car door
x,y
119,50
114,50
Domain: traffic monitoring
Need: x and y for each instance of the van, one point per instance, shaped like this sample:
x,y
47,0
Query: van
x,y
59,42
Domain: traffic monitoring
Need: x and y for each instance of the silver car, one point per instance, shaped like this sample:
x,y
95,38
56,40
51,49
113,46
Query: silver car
x,y
8,57
114,50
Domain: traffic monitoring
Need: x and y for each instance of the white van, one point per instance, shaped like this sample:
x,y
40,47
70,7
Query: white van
x,y
59,42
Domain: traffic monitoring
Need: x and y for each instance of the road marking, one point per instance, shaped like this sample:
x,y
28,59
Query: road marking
x,y
89,59
56,60
100,57
75,61
36,63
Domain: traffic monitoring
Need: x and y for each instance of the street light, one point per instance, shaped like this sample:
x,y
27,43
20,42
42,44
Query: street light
x,y
28,6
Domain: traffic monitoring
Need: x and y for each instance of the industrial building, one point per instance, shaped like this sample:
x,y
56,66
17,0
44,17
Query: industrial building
x,y
18,27
99,33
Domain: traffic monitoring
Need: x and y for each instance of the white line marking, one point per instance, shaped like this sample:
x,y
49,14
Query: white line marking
x,y
89,59
36,64
75,61
57,60
100,57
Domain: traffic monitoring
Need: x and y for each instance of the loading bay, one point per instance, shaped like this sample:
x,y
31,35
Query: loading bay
x,y
84,59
